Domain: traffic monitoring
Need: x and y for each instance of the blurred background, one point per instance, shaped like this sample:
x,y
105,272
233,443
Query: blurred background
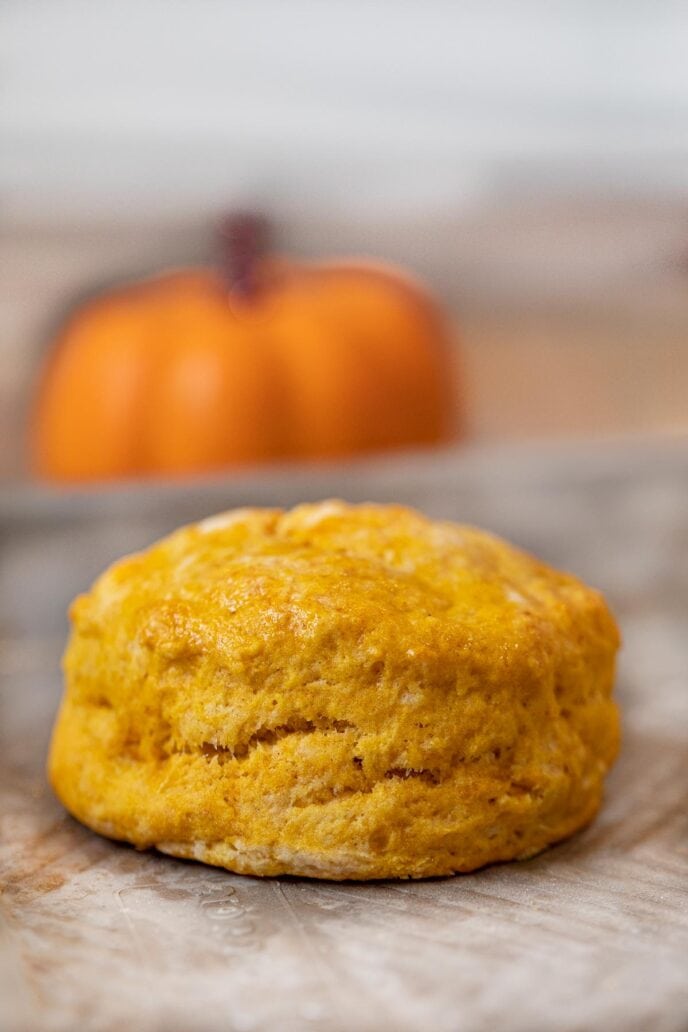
x,y
527,160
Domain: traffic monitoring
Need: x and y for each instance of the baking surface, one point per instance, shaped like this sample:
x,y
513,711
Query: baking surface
x,y
592,934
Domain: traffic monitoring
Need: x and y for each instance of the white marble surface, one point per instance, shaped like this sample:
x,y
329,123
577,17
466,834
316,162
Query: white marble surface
x,y
592,934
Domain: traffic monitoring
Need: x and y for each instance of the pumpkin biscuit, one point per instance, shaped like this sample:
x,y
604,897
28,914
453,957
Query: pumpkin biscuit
x,y
336,691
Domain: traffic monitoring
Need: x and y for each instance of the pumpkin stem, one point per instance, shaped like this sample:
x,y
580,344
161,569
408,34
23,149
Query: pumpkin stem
x,y
243,243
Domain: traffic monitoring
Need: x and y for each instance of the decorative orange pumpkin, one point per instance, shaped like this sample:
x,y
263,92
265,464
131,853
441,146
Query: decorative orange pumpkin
x,y
257,360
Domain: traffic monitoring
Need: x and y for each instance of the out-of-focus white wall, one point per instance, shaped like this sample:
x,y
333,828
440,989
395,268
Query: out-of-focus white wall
x,y
177,105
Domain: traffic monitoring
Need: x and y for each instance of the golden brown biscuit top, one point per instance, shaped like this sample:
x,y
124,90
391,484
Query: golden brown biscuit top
x,y
334,558
328,600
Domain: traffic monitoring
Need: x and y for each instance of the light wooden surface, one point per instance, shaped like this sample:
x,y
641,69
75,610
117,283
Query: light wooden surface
x,y
591,935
